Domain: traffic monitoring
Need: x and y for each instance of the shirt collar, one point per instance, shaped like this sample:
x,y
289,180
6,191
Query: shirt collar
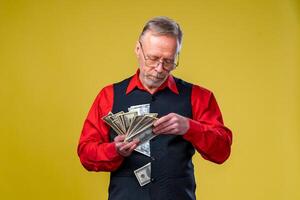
x,y
136,82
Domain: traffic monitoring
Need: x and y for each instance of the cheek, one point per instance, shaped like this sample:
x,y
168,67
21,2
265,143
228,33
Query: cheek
x,y
145,71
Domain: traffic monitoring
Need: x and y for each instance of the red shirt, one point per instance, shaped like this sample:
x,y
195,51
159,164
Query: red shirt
x,y
207,132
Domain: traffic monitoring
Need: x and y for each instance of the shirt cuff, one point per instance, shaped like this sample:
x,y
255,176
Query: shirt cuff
x,y
112,153
195,129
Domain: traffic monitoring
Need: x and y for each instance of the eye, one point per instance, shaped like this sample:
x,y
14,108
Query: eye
x,y
169,61
153,58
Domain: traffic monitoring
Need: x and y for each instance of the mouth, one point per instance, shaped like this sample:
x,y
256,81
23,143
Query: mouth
x,y
159,78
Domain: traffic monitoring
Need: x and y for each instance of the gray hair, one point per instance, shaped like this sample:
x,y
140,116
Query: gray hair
x,y
163,26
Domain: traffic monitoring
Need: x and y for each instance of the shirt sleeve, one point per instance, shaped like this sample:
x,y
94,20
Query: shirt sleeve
x,y
207,132
95,150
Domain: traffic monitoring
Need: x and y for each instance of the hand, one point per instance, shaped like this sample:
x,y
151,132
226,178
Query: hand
x,y
171,124
125,148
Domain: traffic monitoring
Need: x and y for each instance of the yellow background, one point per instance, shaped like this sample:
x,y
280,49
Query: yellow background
x,y
55,56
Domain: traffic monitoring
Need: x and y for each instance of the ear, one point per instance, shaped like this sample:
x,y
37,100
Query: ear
x,y
137,48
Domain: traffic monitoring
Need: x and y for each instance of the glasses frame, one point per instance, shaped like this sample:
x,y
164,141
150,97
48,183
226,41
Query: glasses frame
x,y
163,62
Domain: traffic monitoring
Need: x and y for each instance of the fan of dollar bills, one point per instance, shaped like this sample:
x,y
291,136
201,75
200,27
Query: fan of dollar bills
x,y
132,125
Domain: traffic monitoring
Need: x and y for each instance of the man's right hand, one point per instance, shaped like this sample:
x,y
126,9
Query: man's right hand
x,y
125,148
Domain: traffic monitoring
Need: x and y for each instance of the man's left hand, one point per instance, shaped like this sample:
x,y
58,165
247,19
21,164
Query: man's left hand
x,y
171,124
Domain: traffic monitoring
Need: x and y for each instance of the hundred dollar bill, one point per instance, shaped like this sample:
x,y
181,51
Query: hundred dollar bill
x,y
128,118
143,174
143,136
146,122
135,122
144,148
140,109
109,120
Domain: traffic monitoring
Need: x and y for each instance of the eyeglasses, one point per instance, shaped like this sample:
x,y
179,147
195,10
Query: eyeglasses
x,y
153,61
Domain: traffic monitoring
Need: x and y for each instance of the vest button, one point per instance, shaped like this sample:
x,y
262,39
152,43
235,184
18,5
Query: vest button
x,y
152,158
152,179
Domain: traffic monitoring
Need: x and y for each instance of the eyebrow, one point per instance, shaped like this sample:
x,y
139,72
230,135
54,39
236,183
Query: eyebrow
x,y
149,55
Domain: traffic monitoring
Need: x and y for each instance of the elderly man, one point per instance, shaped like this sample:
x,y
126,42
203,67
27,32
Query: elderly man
x,y
188,119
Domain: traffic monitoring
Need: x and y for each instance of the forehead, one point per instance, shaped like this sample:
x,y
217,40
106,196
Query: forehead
x,y
160,45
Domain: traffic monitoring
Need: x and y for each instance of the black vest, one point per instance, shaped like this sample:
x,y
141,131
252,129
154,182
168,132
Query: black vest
x,y
172,170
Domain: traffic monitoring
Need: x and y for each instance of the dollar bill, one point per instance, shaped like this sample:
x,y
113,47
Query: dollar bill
x,y
146,122
144,148
135,122
128,118
143,136
140,109
108,119
143,174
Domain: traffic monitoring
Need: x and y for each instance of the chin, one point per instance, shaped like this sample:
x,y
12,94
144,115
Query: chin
x,y
154,83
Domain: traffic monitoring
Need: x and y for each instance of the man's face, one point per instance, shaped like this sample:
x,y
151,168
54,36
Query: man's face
x,y
160,48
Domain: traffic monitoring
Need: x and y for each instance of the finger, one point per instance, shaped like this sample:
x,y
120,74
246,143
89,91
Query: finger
x,y
136,141
168,129
127,152
119,138
127,146
163,119
119,145
122,147
130,150
132,147
164,125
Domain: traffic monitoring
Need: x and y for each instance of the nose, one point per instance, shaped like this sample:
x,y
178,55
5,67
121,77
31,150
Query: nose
x,y
160,68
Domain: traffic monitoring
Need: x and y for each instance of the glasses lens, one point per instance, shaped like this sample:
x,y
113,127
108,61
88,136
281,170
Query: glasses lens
x,y
169,66
151,63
